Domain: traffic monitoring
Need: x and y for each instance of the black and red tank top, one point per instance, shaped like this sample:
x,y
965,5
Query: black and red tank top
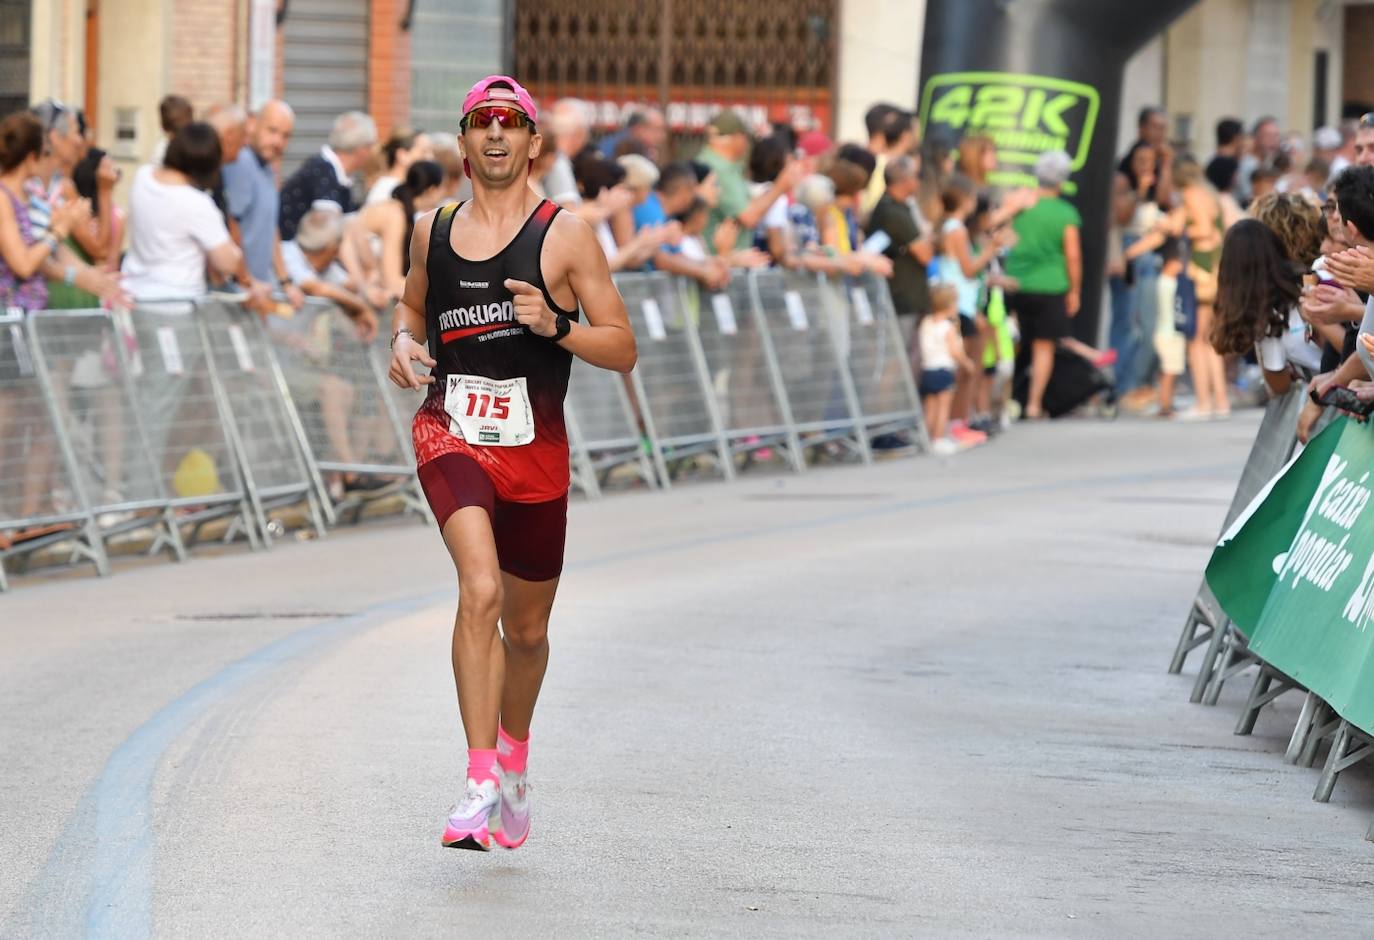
x,y
472,331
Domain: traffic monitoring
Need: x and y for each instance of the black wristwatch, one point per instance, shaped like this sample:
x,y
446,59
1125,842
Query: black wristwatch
x,y
562,326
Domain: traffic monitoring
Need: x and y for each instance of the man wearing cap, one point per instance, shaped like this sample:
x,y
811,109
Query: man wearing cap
x,y
490,443
727,146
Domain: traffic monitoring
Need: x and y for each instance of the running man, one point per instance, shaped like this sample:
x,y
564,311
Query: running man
x,y
490,442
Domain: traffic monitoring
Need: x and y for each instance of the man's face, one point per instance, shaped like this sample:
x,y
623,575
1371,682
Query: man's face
x,y
736,146
498,155
1154,128
652,131
676,200
1335,225
231,141
322,259
1267,138
902,189
271,133
1364,147
67,148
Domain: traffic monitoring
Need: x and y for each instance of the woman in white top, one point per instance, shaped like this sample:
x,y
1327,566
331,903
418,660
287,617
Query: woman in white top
x,y
1258,289
175,230
402,149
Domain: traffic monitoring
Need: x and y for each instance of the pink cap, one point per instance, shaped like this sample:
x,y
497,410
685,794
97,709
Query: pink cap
x,y
814,143
482,93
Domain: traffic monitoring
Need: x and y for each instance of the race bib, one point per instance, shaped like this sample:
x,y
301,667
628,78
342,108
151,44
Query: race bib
x,y
489,412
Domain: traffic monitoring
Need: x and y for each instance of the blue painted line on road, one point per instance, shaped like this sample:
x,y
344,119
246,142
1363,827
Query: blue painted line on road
x,y
116,844
109,863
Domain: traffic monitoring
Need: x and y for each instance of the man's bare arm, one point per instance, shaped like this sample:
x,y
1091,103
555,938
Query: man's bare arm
x,y
409,313
605,339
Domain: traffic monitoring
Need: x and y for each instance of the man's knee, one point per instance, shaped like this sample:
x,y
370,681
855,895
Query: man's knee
x,y
527,633
479,599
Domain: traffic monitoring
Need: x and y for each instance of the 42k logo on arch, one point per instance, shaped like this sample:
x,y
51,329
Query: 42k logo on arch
x,y
1025,115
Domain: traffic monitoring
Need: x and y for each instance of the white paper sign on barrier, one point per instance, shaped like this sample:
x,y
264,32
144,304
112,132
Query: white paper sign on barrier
x,y
862,311
653,318
241,351
725,314
171,352
124,333
796,310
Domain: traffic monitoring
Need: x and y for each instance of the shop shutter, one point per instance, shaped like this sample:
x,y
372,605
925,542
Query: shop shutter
x,y
325,70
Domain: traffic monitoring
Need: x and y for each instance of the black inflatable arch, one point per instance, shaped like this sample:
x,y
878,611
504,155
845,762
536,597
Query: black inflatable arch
x,y
1040,75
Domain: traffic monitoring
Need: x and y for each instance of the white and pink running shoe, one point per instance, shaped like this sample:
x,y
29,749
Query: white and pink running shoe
x,y
469,821
515,810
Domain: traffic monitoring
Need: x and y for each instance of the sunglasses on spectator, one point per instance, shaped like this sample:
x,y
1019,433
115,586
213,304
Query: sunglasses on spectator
x,y
48,111
1367,120
481,118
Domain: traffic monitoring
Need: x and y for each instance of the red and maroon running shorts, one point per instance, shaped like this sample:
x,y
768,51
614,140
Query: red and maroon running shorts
x,y
529,536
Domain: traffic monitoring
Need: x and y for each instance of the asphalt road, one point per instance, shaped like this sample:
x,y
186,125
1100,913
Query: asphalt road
x,y
924,698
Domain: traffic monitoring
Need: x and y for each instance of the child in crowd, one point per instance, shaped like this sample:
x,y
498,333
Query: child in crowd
x,y
962,262
942,359
1170,344
693,220
999,355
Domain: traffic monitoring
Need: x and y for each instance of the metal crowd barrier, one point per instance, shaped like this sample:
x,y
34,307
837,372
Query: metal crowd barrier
x,y
345,420
879,362
41,498
672,382
189,440
811,337
85,354
745,380
153,423
1207,625
257,414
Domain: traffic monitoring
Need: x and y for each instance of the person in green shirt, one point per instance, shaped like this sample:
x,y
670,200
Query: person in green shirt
x,y
732,220
1047,265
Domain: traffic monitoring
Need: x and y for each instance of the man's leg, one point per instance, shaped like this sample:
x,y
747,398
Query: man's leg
x,y
1042,367
336,405
525,623
478,656
478,664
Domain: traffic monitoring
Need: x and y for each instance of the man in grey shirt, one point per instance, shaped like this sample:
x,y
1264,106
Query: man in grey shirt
x,y
250,189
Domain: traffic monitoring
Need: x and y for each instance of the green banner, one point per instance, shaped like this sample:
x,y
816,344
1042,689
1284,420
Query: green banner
x,y
1296,571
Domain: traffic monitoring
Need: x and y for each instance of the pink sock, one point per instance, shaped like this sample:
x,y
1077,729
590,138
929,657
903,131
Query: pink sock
x,y
481,764
514,755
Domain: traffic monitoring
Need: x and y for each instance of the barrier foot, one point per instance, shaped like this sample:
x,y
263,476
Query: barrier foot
x,y
1236,658
1262,692
1333,767
1324,725
1304,726
1190,639
1208,664
1350,747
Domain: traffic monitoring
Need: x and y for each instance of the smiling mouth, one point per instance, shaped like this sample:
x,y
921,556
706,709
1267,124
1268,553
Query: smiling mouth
x,y
493,154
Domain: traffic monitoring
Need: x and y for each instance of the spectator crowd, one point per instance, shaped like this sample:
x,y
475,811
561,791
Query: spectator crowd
x,y
1247,273
985,281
